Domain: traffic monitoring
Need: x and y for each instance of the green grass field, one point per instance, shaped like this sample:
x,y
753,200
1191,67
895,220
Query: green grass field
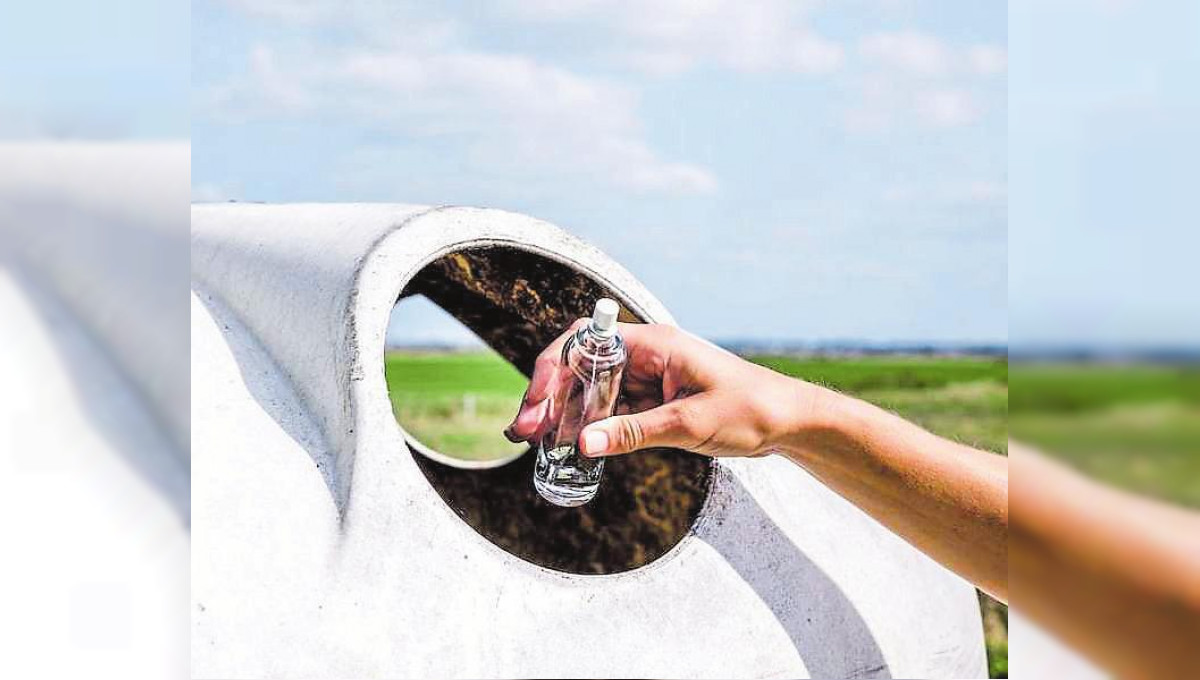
x,y
456,403
965,399
1133,426
1137,427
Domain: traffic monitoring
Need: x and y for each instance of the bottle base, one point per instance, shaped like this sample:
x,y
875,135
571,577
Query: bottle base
x,y
566,497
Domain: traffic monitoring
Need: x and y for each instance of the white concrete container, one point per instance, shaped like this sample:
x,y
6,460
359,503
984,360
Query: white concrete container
x,y
320,549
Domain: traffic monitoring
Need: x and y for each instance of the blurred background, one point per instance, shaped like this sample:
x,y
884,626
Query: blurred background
x,y
1103,323
94,398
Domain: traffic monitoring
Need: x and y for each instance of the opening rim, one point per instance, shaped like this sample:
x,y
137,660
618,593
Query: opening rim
x,y
713,468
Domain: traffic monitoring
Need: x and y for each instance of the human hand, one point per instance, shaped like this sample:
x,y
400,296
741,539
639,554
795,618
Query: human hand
x,y
679,391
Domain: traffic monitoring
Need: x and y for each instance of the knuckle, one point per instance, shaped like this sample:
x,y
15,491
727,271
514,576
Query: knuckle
x,y
686,419
694,427
631,434
679,418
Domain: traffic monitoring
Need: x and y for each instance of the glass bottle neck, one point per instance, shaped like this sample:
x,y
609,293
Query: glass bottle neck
x,y
597,346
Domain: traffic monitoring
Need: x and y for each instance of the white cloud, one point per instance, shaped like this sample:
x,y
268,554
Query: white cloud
x,y
275,86
984,191
514,114
672,36
988,60
918,78
947,108
915,53
401,68
885,103
814,54
927,56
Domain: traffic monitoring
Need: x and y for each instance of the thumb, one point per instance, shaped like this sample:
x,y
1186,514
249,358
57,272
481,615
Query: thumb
x,y
666,425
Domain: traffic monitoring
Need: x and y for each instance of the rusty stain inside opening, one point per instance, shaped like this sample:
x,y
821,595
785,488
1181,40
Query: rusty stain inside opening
x,y
517,302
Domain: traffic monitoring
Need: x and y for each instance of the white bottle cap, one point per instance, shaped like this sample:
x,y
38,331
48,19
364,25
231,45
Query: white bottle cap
x,y
604,317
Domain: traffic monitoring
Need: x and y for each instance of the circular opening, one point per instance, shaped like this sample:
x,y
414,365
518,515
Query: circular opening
x,y
515,302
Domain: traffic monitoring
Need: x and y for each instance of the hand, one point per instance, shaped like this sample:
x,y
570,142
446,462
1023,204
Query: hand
x,y
948,500
679,391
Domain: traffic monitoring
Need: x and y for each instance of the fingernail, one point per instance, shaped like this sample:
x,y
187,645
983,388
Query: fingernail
x,y
508,434
594,442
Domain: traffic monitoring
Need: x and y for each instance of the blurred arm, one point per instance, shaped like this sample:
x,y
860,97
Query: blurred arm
x,y
1117,577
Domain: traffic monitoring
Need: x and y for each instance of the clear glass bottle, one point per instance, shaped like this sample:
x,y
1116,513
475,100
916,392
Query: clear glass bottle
x,y
586,391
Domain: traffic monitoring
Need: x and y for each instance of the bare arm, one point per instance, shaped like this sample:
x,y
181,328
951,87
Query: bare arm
x,y
948,500
1115,576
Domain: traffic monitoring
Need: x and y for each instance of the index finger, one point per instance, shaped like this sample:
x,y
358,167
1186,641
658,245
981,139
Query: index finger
x,y
546,366
545,370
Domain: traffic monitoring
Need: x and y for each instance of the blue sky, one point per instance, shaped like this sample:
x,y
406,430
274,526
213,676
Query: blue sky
x,y
770,169
95,70
843,163
1105,100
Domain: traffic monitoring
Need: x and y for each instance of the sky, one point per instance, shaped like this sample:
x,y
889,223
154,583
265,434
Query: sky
x,y
769,169
116,70
1103,210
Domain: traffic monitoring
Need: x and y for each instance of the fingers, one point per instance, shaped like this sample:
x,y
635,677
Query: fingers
x,y
670,425
541,385
527,422
546,366
648,343
649,347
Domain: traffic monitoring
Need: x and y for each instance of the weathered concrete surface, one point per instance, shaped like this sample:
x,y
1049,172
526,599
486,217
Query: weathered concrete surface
x,y
93,410
322,550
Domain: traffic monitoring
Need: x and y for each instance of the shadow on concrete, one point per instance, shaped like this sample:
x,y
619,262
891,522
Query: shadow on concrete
x,y
830,635
274,392
130,426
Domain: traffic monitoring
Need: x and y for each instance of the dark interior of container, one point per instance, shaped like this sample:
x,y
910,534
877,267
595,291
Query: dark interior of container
x,y
517,302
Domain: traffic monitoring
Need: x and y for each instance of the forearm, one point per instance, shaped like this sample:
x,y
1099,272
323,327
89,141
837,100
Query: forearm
x,y
1115,576
948,500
